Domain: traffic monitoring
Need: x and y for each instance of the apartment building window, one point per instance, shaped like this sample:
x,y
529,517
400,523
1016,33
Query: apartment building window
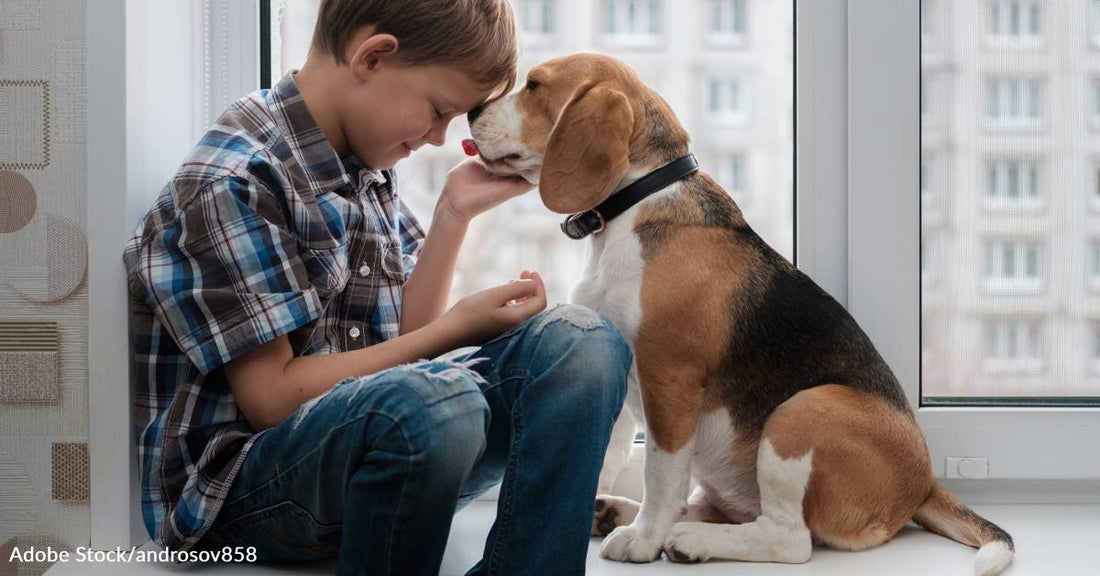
x,y
1094,22
1013,102
925,184
1013,266
1094,337
1014,18
925,103
726,21
927,8
1095,89
1094,266
729,171
536,20
1012,346
632,21
1012,183
726,99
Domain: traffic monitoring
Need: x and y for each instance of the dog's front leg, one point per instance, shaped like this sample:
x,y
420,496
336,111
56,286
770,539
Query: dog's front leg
x,y
672,398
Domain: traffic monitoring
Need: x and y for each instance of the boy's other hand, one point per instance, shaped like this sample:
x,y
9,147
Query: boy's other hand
x,y
481,316
471,189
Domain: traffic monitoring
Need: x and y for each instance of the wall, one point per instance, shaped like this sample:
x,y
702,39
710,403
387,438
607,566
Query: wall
x,y
44,487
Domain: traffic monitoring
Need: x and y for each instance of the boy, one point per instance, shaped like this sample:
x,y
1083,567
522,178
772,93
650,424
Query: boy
x,y
279,322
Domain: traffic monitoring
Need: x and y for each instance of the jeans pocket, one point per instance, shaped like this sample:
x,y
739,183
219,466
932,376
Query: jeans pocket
x,y
285,531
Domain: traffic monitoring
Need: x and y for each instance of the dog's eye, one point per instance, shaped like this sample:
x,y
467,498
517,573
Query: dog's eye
x,y
531,84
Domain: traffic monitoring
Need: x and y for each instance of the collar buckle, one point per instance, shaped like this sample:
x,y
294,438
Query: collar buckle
x,y
581,224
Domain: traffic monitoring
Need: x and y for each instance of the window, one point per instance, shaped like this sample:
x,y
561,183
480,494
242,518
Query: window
x,y
1095,89
1012,266
726,21
1094,268
726,99
1094,22
925,103
1094,334
927,9
536,20
523,233
1014,18
1012,183
1013,102
632,21
1012,346
729,172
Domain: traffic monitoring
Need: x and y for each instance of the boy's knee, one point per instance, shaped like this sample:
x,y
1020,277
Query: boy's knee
x,y
435,409
583,341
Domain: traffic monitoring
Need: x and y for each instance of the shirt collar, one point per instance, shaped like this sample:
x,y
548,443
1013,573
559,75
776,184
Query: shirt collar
x,y
326,171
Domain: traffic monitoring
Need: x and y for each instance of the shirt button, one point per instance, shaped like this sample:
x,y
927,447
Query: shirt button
x,y
354,333
364,270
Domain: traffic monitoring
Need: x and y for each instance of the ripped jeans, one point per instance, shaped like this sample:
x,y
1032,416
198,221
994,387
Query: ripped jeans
x,y
373,471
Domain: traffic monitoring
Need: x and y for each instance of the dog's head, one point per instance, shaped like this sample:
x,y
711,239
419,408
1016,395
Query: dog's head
x,y
581,127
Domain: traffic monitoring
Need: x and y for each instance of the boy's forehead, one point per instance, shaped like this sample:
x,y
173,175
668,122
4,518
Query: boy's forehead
x,y
465,92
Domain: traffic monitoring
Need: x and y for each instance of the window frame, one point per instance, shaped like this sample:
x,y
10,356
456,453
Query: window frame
x,y
884,138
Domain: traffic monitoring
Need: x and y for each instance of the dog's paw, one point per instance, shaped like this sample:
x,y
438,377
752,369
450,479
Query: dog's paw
x,y
685,545
631,544
612,512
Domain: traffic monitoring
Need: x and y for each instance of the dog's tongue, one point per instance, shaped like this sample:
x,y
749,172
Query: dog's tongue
x,y
470,147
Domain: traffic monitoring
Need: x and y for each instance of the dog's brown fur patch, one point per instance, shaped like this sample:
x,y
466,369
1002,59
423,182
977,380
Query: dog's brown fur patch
x,y
870,465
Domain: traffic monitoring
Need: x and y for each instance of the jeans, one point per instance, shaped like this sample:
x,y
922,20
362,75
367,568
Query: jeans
x,y
373,471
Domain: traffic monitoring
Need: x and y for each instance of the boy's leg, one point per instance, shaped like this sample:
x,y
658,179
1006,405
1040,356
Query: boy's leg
x,y
555,387
372,469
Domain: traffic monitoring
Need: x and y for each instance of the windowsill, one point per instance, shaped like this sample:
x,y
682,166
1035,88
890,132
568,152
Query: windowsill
x,y
1046,535
635,41
539,41
1029,126
1016,42
1026,206
1010,367
726,41
1013,287
719,120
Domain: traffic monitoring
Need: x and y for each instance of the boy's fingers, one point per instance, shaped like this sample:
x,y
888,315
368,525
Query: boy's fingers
x,y
512,291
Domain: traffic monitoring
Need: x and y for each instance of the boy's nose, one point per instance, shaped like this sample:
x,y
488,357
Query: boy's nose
x,y
473,114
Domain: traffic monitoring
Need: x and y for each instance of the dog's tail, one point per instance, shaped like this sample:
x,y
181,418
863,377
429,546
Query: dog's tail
x,y
945,515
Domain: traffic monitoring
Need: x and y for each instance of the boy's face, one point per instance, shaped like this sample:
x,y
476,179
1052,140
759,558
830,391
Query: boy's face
x,y
398,108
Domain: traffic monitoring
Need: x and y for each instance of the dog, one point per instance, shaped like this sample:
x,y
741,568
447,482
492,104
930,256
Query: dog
x,y
748,377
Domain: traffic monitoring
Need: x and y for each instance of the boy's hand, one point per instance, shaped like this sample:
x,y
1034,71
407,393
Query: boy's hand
x,y
471,189
483,315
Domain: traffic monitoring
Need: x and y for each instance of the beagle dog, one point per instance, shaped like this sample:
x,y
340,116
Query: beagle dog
x,y
752,383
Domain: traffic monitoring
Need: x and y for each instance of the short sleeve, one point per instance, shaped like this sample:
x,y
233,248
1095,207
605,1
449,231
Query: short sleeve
x,y
412,237
225,275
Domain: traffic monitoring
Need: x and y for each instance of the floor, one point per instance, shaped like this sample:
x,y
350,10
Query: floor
x,y
1051,540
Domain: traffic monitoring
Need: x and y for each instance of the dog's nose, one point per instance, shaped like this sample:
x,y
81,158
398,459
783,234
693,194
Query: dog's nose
x,y
473,114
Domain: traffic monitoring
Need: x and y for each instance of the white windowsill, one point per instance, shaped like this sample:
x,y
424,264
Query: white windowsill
x,y
1012,366
1049,539
1005,287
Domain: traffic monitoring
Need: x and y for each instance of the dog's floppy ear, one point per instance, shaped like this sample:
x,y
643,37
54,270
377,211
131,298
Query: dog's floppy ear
x,y
588,152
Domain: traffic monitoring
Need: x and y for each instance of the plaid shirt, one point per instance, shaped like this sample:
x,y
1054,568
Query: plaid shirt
x,y
264,231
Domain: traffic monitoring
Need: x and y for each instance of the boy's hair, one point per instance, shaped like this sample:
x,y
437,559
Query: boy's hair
x,y
476,36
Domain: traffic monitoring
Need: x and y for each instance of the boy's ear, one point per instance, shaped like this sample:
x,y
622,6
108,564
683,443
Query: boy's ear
x,y
370,51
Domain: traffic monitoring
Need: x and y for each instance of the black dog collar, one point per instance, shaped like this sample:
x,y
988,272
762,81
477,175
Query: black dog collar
x,y
593,221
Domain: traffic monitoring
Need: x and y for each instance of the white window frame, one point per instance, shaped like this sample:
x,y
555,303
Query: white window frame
x,y
539,39
632,39
726,82
741,9
997,249
1000,90
1021,443
144,61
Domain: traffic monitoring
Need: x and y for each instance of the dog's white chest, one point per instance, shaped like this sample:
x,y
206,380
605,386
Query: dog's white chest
x,y
612,279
